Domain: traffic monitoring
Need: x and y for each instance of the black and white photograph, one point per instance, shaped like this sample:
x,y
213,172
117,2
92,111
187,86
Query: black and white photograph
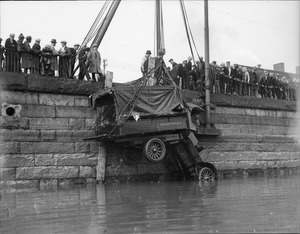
x,y
149,116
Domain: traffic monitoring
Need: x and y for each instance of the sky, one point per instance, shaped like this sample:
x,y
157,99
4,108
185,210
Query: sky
x,y
243,32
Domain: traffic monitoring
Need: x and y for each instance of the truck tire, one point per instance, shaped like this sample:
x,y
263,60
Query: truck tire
x,y
155,150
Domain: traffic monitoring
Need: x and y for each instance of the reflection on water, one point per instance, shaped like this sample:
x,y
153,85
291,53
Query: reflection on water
x,y
257,204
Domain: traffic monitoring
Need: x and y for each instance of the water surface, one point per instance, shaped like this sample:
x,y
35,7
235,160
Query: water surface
x,y
253,204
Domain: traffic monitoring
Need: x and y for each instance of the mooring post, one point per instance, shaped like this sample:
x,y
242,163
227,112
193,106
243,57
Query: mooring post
x,y
101,162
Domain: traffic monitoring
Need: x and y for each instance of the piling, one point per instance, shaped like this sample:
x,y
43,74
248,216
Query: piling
x,y
101,162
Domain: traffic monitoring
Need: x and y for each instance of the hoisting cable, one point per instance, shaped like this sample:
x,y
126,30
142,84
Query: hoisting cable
x,y
89,36
95,28
92,29
186,28
190,31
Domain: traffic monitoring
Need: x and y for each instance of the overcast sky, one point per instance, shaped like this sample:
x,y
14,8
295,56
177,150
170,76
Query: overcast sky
x,y
244,32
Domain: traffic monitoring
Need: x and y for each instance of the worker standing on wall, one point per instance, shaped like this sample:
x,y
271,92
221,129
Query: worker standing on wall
x,y
93,63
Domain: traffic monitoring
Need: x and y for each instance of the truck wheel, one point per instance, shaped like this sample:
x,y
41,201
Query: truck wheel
x,y
155,150
206,174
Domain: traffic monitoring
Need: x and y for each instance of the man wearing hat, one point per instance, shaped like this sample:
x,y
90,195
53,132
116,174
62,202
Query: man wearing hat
x,y
20,49
36,48
159,64
145,62
46,59
1,54
73,56
64,66
172,62
93,63
82,56
54,61
27,56
10,53
183,75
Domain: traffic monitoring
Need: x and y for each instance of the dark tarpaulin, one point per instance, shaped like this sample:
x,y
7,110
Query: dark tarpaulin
x,y
146,100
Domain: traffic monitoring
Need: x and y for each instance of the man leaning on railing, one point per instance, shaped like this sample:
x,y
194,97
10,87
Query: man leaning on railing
x,y
2,50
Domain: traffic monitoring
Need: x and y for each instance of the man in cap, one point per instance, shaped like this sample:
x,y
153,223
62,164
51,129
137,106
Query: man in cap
x,y
82,56
2,49
145,62
253,82
277,84
183,75
46,59
159,67
94,63
54,62
189,63
173,63
11,54
36,48
20,49
27,56
262,85
64,66
73,57
222,78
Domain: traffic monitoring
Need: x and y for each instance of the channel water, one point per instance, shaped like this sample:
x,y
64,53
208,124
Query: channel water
x,y
232,205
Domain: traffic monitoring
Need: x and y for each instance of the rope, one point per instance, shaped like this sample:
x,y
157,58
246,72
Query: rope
x,y
88,37
191,33
186,27
188,30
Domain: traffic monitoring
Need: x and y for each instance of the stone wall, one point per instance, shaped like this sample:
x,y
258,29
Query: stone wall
x,y
42,144
255,139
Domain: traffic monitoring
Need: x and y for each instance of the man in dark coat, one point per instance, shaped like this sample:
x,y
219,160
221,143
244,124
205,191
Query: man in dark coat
x,y
223,77
235,88
11,54
253,82
145,63
229,79
2,50
277,84
262,83
183,74
175,73
36,48
46,60
93,63
73,57
159,73
64,67
82,56
27,56
20,49
173,63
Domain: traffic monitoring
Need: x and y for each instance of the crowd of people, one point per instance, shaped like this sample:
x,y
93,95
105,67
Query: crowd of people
x,y
20,56
229,79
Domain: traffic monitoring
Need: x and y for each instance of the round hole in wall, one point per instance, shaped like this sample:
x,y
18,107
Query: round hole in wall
x,y
10,111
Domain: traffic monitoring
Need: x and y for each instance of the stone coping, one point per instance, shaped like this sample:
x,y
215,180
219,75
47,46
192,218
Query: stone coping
x,y
45,84
220,99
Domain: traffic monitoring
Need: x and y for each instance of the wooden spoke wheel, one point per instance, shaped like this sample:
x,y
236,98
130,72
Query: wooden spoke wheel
x,y
155,150
206,174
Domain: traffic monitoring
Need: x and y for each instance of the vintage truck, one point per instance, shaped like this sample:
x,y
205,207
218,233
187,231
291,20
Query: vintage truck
x,y
157,120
